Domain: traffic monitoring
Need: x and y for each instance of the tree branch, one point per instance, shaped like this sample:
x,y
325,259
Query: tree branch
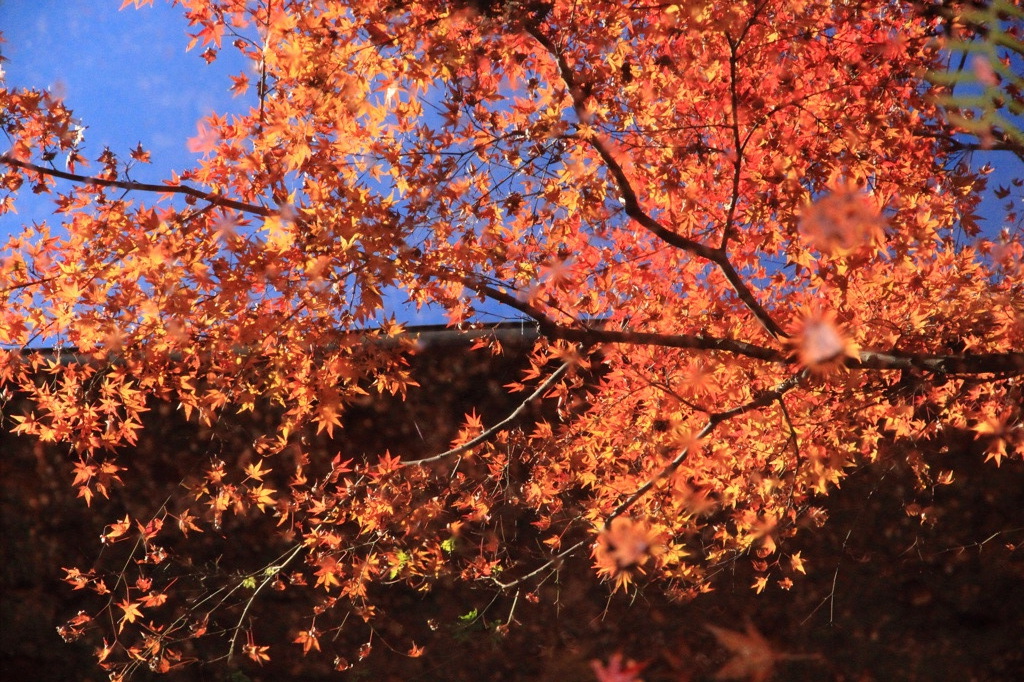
x,y
982,363
547,564
592,335
636,212
268,576
1011,362
734,123
500,426
211,197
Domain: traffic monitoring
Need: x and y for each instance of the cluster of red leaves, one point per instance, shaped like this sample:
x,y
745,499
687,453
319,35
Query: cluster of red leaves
x,y
747,221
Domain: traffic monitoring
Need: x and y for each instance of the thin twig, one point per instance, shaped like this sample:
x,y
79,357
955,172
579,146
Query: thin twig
x,y
500,426
268,577
550,562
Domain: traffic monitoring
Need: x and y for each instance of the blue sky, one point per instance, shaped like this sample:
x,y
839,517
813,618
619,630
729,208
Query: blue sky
x,y
125,74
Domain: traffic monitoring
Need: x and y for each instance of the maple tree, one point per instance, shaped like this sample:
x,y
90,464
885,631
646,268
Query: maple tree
x,y
746,236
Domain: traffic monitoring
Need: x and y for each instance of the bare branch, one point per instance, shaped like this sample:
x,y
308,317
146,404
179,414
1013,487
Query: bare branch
x,y
270,573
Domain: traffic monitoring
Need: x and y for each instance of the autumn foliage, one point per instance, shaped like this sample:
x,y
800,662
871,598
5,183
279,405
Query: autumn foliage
x,y
745,234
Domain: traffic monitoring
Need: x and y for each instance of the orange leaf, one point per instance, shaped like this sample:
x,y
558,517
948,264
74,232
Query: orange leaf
x,y
308,639
753,657
206,141
617,670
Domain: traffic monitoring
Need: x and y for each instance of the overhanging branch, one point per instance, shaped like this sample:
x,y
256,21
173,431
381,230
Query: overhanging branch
x,y
211,197
588,334
1011,362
